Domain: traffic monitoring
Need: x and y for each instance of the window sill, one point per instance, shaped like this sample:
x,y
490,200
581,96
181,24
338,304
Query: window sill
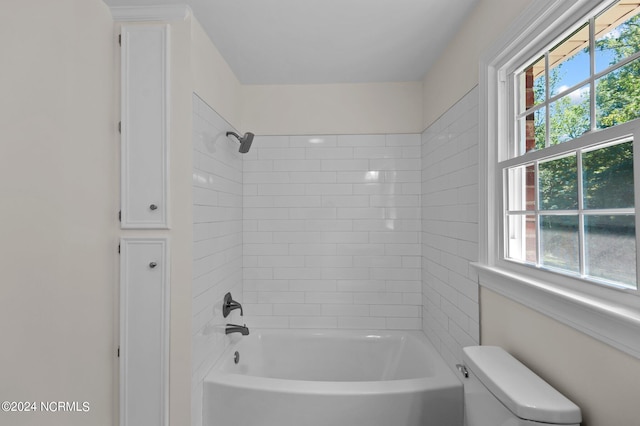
x,y
616,325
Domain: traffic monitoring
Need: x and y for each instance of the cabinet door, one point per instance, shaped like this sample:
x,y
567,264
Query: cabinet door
x,y
144,332
144,126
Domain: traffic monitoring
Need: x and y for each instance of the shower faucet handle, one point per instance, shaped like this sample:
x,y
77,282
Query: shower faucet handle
x,y
229,305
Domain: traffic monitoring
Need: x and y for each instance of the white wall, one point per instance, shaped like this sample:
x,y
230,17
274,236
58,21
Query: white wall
x,y
217,241
456,71
601,380
180,234
450,229
327,109
332,231
213,79
58,179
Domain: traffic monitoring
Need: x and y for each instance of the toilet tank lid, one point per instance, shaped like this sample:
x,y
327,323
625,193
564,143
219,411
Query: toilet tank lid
x,y
523,392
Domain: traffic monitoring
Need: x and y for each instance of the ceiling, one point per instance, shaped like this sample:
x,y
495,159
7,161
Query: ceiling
x,y
326,41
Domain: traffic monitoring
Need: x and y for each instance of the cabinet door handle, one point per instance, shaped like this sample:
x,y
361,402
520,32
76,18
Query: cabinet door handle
x,y
153,207
152,265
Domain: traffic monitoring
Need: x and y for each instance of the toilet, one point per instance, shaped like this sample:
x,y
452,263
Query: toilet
x,y
500,391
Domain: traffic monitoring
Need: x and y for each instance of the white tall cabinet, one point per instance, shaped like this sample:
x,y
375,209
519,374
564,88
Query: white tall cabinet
x,y
145,126
144,246
144,331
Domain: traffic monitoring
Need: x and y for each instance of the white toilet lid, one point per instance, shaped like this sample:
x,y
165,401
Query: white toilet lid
x,y
523,392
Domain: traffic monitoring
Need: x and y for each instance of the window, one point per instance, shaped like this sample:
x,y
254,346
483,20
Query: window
x,y
559,166
568,174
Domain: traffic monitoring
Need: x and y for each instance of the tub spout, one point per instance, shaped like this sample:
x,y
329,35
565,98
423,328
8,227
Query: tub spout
x,y
233,328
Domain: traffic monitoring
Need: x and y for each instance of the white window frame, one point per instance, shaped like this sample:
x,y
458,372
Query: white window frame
x,y
609,315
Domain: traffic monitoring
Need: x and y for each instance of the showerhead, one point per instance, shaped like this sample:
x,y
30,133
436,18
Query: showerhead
x,y
245,141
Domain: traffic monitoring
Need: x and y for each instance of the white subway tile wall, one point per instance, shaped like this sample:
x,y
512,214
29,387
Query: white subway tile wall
x,y
332,232
217,245
450,309
338,231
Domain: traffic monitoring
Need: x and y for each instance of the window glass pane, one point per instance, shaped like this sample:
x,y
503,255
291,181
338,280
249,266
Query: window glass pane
x,y
608,177
611,248
558,184
569,116
618,96
617,34
521,242
532,131
521,183
532,85
559,242
569,61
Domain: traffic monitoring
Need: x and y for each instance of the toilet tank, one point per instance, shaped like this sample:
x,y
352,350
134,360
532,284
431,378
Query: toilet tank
x,y
501,391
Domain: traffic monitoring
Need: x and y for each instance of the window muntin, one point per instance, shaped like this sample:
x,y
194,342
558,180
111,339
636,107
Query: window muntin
x,y
572,210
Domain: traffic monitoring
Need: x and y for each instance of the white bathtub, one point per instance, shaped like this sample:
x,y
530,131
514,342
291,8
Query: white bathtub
x,y
332,378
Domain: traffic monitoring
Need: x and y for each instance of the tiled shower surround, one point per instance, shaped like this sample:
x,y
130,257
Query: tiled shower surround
x,y
450,229
217,245
332,232
336,231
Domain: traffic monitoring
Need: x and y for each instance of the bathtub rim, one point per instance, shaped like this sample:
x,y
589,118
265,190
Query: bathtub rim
x,y
443,378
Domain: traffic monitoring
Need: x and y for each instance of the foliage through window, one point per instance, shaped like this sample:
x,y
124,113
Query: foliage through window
x,y
569,178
